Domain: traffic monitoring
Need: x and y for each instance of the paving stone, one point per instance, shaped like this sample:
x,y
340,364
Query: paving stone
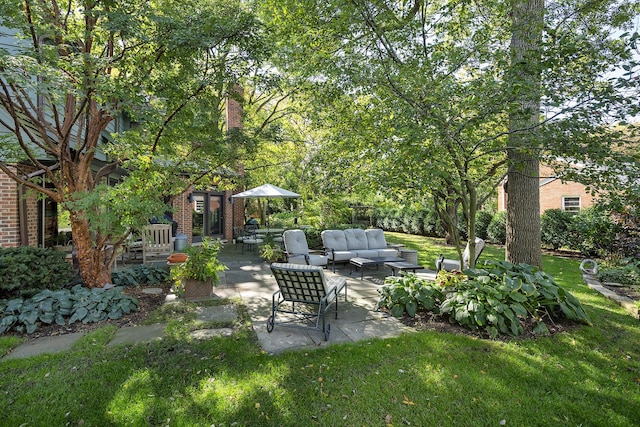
x,y
43,345
218,313
138,334
203,334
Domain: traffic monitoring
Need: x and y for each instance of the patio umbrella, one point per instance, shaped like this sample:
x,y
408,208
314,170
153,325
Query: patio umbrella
x,y
266,191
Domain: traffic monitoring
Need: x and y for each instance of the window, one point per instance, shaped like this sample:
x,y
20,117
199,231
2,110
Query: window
x,y
571,204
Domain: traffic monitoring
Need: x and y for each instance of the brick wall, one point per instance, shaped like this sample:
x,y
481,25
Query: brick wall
x,y
182,214
552,192
10,211
9,214
234,109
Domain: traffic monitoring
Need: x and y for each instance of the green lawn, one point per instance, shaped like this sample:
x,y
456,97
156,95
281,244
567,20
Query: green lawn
x,y
589,376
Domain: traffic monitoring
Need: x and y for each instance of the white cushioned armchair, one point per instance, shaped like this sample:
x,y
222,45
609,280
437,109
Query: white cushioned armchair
x,y
297,249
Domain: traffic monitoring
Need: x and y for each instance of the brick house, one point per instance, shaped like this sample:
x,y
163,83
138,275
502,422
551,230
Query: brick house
x,y
555,193
210,212
26,220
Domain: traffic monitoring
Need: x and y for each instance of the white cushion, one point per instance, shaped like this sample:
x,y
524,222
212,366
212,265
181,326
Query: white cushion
x,y
297,259
387,252
295,242
375,238
334,239
479,247
356,239
366,253
449,264
341,255
317,260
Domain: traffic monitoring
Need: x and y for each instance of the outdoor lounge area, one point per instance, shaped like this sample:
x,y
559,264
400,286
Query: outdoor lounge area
x,y
326,214
360,338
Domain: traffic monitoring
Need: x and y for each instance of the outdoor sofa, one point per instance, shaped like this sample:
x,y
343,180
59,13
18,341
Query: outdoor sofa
x,y
342,245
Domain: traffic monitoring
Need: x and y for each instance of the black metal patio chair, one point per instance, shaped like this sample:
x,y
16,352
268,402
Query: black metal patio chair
x,y
306,295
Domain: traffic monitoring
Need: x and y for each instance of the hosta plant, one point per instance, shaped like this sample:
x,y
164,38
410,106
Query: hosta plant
x,y
76,305
497,298
407,294
140,275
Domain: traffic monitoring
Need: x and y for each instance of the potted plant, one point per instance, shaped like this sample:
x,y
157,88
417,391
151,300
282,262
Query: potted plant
x,y
270,251
196,277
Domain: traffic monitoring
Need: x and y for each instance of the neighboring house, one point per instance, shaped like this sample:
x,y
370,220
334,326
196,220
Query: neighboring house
x,y
27,220
555,193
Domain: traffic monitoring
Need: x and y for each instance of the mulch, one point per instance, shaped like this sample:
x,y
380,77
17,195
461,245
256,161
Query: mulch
x,y
629,292
427,321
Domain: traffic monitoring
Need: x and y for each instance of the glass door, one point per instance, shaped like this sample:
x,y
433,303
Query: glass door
x,y
198,207
215,216
207,215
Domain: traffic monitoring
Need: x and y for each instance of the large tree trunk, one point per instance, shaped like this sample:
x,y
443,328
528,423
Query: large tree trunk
x,y
95,262
523,201
523,211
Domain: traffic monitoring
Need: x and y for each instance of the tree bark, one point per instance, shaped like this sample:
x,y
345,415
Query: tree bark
x,y
95,262
523,200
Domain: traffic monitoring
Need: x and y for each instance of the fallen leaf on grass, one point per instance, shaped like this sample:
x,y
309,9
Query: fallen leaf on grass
x,y
406,400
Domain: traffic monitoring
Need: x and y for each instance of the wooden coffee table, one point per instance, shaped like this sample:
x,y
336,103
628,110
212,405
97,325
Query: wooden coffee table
x,y
403,266
363,263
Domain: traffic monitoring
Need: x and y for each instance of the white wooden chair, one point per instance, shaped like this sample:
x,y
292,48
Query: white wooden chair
x,y
451,264
157,241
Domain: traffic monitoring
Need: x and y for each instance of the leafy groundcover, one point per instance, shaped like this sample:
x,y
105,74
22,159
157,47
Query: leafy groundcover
x,y
64,306
499,299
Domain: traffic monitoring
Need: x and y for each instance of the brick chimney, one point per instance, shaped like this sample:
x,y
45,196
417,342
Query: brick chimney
x,y
234,108
234,211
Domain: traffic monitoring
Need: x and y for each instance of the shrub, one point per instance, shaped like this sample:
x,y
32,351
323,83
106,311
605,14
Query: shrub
x,y
140,275
555,225
593,232
627,221
270,251
497,229
496,298
628,273
462,228
27,270
202,263
431,225
314,238
77,305
483,219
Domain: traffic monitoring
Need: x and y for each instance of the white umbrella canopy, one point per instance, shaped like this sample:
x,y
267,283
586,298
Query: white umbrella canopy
x,y
267,191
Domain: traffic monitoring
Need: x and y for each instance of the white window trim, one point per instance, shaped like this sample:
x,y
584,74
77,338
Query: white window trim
x,y
564,207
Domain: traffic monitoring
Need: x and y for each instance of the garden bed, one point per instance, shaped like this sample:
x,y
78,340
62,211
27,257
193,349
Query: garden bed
x,y
428,321
631,292
149,302
625,296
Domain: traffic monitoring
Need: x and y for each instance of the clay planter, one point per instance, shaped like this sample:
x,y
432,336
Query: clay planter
x,y
197,289
177,258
